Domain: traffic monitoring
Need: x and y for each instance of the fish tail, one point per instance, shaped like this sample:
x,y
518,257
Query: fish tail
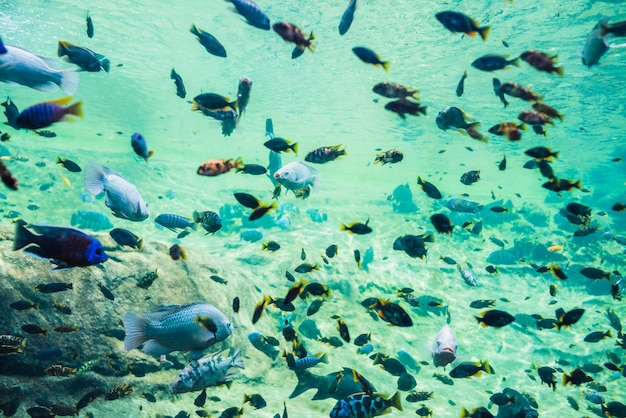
x,y
344,227
422,110
69,81
140,244
565,379
194,30
106,65
62,50
484,32
76,109
311,45
395,401
559,71
134,327
486,367
522,126
386,65
578,184
556,155
23,236
58,160
196,216
515,61
324,357
464,413
294,148
238,360
94,178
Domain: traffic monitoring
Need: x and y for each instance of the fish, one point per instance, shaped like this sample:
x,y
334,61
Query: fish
x,y
210,370
370,57
66,328
260,308
305,362
614,409
498,91
460,88
8,179
212,168
357,228
63,308
429,188
11,112
493,62
174,222
85,58
516,90
178,82
54,287
140,146
460,23
252,169
90,219
45,114
569,318
364,405
177,252
347,17
454,118
392,313
121,196
296,176
209,42
541,153
255,400
34,329
271,246
596,44
277,144
254,15
261,343
323,155
595,274
495,318
444,347
597,336
210,221
19,66
106,292
58,370
470,177
243,95
502,164
576,377
442,223
541,61
69,165
468,369
405,107
24,305
395,91
66,247
468,276
172,328
291,33
391,156
211,101
89,25
413,245
559,185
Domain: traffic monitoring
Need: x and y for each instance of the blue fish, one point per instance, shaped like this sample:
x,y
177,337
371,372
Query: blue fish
x,y
140,146
347,17
66,247
253,13
3,50
251,235
90,219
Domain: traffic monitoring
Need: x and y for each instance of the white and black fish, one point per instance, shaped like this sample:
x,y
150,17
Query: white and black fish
x,y
209,220
210,370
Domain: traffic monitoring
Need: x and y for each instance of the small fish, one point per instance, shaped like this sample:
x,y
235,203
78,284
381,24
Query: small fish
x,y
596,44
63,308
460,88
542,61
460,23
391,312
210,221
516,90
396,91
569,318
576,377
34,329
482,303
347,18
469,369
66,328
178,82
542,153
502,164
442,223
174,222
85,58
270,246
391,156
140,146
365,405
429,188
24,305
357,228
495,318
493,62
597,336
470,177
323,155
54,287
58,370
406,107
492,270
212,168
106,292
306,268
252,169
89,24
331,251
342,327
259,308
280,144
209,42
255,400
357,258
69,165
11,112
177,252
45,114
498,91
370,57
7,178
291,33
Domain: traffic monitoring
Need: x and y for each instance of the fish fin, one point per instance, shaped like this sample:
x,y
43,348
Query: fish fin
x,y
473,33
62,50
386,65
154,348
69,81
105,64
306,381
23,236
515,61
396,402
94,178
76,109
484,32
237,359
134,327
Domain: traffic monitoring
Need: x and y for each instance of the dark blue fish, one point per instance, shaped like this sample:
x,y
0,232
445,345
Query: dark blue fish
x,y
180,86
89,23
174,222
253,13
11,112
140,146
3,50
66,247
346,19
209,42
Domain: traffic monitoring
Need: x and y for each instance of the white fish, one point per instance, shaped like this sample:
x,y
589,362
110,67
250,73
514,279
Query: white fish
x,y
19,66
175,328
596,44
468,275
210,370
444,348
295,176
121,196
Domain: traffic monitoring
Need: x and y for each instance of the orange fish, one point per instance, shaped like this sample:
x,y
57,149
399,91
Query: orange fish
x,y
555,248
212,168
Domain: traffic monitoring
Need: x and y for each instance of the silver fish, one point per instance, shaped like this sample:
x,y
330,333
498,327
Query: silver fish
x,y
121,196
210,370
444,347
19,66
467,274
175,328
295,176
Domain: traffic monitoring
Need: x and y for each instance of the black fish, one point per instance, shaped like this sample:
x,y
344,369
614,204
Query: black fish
x,y
7,178
69,165
126,238
200,399
370,57
347,17
85,58
180,86
470,177
106,292
493,62
67,247
210,221
498,91
442,223
429,188
405,107
209,42
460,88
54,287
460,23
89,23
495,318
11,112
502,165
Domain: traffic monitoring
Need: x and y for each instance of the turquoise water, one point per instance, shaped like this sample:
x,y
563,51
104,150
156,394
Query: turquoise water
x,y
320,99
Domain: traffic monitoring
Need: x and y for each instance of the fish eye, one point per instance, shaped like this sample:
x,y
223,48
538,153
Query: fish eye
x,y
98,251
